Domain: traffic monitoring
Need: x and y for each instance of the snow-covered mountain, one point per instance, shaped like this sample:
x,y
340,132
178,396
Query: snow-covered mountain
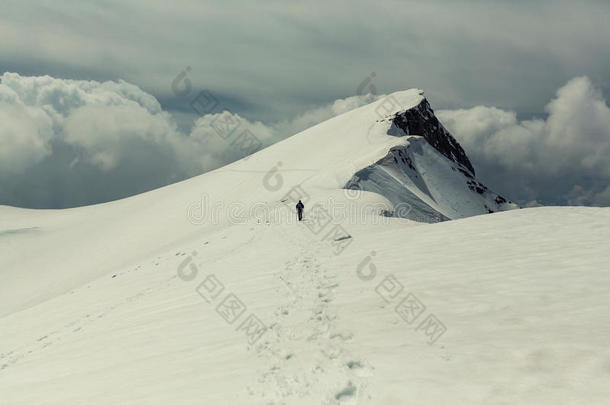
x,y
209,291
372,151
429,171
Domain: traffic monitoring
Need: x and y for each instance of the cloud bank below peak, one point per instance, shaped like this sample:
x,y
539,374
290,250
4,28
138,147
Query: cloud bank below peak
x,y
67,143
561,159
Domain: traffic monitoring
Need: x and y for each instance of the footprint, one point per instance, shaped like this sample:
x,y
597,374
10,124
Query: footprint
x,y
348,392
358,369
344,336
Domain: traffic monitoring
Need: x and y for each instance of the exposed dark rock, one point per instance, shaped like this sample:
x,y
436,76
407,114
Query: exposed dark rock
x,y
500,200
466,173
420,120
476,186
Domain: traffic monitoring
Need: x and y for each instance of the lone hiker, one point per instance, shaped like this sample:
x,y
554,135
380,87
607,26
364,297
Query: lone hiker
x,y
300,207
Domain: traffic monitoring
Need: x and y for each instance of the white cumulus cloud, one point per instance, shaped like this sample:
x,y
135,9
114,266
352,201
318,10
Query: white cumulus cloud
x,y
542,158
70,142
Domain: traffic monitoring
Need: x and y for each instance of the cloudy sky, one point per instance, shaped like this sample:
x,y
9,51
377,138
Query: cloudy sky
x,y
522,85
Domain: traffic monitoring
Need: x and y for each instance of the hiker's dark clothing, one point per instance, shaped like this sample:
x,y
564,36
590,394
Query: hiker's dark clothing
x,y
300,207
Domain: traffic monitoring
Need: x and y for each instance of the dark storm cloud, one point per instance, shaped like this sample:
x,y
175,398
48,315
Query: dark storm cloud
x,y
288,56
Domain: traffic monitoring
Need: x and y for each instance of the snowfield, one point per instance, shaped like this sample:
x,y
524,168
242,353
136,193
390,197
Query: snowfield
x,y
208,290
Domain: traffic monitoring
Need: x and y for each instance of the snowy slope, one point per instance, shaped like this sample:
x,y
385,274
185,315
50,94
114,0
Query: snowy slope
x,y
522,294
128,302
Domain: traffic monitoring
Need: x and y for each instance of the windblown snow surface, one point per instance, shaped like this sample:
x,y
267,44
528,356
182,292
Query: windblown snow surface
x,y
209,291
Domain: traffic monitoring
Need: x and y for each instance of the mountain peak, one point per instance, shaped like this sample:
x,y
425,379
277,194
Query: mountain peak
x,y
427,170
420,120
